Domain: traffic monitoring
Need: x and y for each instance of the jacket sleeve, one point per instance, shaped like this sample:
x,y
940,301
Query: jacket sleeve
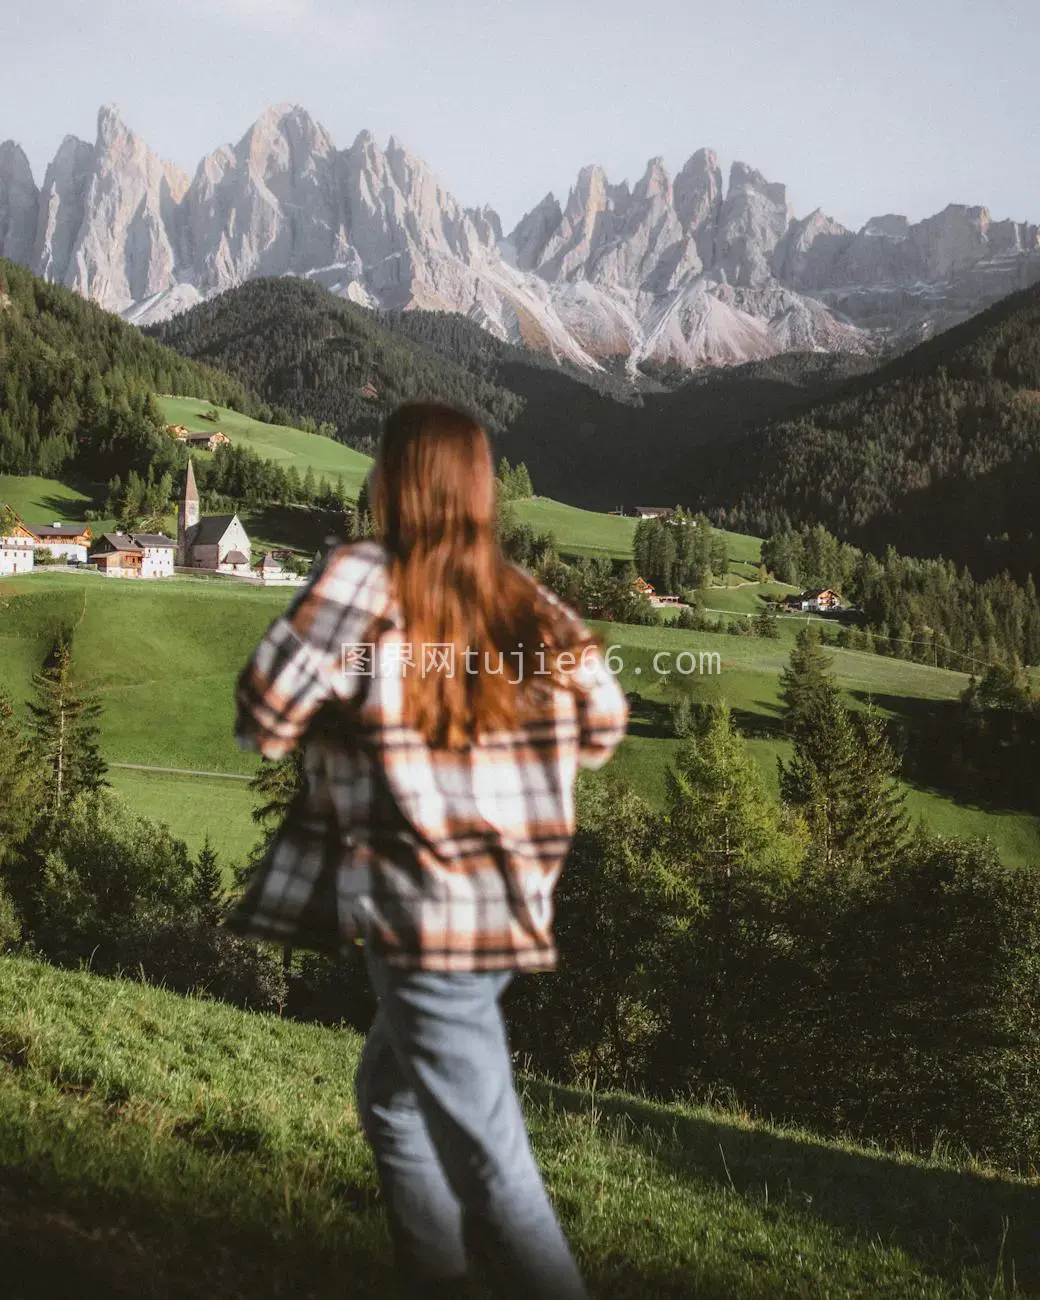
x,y
308,655
602,709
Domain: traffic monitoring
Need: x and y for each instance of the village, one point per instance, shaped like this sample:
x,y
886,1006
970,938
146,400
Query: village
x,y
205,544
219,544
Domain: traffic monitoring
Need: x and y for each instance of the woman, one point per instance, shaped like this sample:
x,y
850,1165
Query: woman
x,y
445,701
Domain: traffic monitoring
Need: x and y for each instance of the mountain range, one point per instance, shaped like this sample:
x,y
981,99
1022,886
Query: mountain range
x,y
689,270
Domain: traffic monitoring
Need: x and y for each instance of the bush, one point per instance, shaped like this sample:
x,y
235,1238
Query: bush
x,y
190,955
681,713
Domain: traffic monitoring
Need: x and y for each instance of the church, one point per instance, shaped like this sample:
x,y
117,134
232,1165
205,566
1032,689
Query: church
x,y
217,543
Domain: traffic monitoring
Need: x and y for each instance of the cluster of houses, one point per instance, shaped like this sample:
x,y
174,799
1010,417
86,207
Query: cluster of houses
x,y
197,441
210,543
645,512
819,600
67,542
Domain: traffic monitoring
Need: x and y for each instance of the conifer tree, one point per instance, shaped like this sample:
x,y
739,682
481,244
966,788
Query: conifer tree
x,y
807,687
65,730
207,883
842,780
721,821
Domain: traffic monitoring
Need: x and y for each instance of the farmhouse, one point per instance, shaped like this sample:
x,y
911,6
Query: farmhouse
x,y
218,543
199,441
643,588
64,541
135,555
818,599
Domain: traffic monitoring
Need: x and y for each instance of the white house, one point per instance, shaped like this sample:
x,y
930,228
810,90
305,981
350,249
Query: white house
x,y
157,553
17,554
135,555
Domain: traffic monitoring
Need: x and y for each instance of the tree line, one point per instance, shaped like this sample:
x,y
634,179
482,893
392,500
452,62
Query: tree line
x,y
938,453
680,552
930,610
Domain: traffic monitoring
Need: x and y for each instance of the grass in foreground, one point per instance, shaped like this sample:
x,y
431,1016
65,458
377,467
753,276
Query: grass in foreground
x,y
152,1145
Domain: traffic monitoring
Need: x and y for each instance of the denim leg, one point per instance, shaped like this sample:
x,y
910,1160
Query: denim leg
x,y
425,1216
449,1041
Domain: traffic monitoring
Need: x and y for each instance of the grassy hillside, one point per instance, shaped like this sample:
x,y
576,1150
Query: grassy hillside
x,y
586,532
156,1146
290,447
163,657
42,500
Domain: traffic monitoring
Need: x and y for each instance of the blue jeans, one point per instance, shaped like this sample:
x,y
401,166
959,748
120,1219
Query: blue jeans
x,y
436,1099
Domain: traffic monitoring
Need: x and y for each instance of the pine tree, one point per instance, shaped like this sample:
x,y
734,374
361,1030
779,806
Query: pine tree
x,y
65,730
207,883
807,687
522,486
880,820
721,821
842,780
820,780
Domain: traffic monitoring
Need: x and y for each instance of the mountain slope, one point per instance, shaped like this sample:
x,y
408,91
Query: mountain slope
x,y
587,439
939,451
318,355
192,1148
77,385
691,270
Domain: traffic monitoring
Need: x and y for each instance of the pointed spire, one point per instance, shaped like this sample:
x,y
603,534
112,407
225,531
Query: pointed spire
x,y
191,492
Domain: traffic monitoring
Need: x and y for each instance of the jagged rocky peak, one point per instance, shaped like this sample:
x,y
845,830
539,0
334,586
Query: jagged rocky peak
x,y
753,219
686,268
118,148
19,203
698,190
61,208
533,231
655,183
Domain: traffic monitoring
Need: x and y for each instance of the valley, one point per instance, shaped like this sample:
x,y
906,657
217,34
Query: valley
x,y
162,657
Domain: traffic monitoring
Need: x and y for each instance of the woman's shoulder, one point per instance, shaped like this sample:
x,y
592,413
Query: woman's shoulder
x,y
351,568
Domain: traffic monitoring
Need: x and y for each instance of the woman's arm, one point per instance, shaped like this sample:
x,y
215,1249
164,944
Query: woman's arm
x,y
299,664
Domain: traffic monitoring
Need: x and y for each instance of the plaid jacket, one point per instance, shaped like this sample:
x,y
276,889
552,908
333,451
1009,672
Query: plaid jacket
x,y
441,860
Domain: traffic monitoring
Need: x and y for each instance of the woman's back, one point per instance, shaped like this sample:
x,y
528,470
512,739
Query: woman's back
x,y
447,856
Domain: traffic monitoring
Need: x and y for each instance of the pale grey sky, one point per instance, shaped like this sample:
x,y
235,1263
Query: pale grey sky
x,y
860,108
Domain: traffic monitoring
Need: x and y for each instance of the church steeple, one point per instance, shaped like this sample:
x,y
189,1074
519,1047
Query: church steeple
x,y
187,514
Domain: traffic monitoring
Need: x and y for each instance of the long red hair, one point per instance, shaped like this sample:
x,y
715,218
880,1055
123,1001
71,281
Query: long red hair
x,y
435,508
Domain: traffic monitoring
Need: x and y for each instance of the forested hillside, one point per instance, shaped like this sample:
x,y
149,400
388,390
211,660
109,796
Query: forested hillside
x,y
317,355
77,385
587,438
937,453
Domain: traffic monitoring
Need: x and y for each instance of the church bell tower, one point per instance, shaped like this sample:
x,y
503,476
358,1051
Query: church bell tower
x,y
187,514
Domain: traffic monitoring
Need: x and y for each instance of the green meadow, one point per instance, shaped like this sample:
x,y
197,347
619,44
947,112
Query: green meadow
x,y
584,532
289,447
153,1145
163,658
